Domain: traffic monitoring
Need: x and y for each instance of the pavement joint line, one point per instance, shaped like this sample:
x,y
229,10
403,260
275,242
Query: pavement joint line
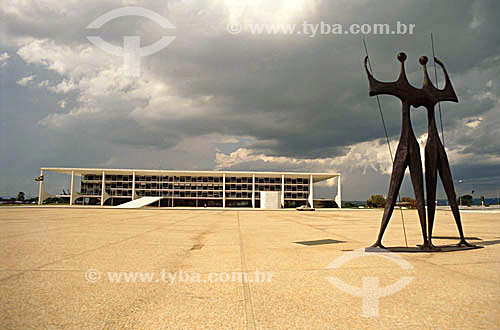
x,y
49,218
189,245
208,272
348,240
97,248
67,226
471,276
467,263
40,231
454,271
135,271
247,294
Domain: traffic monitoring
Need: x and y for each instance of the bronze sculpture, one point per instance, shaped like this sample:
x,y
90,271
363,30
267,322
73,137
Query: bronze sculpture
x,y
408,151
436,160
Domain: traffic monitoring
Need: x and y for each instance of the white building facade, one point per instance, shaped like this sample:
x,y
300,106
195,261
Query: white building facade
x,y
188,188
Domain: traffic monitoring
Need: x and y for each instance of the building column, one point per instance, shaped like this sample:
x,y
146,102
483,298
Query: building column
x,y
253,190
72,193
103,187
40,189
223,190
311,191
338,199
133,185
282,191
173,189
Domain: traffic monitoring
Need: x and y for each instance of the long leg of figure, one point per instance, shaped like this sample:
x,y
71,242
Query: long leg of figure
x,y
417,179
431,185
398,171
446,178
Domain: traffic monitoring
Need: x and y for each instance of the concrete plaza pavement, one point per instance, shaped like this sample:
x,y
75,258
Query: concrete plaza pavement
x,y
46,253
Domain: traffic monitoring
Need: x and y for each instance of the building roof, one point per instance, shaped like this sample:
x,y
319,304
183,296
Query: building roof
x,y
79,171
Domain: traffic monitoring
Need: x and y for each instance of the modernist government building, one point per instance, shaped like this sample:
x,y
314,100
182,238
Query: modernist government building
x,y
136,188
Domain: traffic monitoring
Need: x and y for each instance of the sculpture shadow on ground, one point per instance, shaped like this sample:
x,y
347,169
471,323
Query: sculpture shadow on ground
x,y
418,249
442,248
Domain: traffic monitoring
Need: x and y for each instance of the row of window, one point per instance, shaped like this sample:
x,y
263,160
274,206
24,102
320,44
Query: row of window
x,y
211,194
128,185
153,178
186,194
215,194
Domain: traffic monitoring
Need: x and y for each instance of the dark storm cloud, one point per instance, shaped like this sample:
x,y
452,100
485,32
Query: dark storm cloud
x,y
314,90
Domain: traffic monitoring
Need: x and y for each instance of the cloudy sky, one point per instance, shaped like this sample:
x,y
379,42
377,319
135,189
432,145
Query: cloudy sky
x,y
216,100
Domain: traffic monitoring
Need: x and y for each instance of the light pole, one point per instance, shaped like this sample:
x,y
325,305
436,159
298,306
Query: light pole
x,y
460,196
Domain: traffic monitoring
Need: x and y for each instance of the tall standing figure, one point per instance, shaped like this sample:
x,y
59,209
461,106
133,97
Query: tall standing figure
x,y
436,160
408,151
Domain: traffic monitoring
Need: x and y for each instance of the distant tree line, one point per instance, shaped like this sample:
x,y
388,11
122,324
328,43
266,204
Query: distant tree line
x,y
20,198
379,201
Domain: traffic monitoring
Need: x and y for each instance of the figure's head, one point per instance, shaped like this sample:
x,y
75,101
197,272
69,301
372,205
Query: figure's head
x,y
380,88
435,94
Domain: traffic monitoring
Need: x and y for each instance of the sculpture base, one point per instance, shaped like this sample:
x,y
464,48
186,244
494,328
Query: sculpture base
x,y
418,249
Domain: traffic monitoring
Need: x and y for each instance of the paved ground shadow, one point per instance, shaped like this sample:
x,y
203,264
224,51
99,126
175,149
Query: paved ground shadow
x,y
320,242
